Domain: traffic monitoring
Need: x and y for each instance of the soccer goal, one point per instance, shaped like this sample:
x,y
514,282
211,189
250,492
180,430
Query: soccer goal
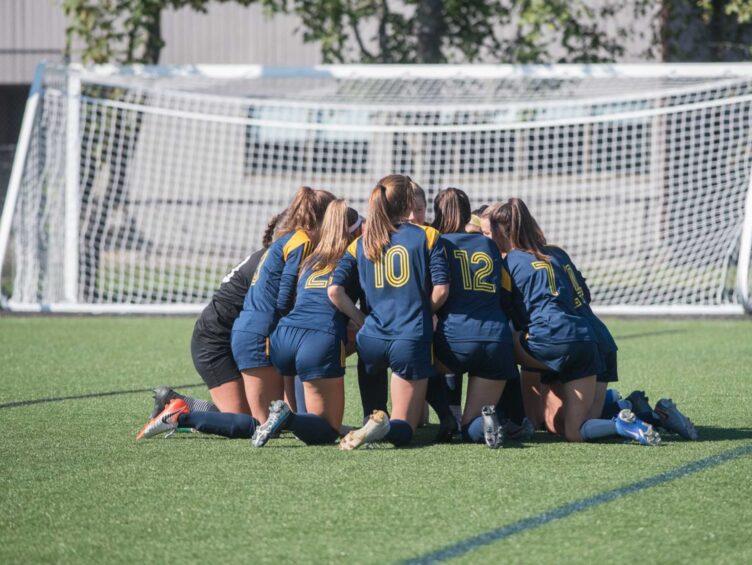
x,y
135,189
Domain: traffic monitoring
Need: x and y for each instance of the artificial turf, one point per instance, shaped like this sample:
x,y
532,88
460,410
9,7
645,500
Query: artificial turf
x,y
75,486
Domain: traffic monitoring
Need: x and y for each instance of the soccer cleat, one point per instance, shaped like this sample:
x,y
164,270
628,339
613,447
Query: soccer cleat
x,y
165,421
162,396
279,413
673,420
630,426
493,432
522,432
639,401
374,430
448,427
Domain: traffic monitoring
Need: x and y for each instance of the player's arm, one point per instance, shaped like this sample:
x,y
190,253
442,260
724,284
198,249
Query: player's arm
x,y
288,282
343,277
439,269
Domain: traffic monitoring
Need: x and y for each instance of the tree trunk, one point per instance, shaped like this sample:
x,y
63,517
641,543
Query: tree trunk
x,y
154,42
430,19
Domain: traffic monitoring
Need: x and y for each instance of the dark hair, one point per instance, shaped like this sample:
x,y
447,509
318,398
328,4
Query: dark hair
x,y
516,224
479,211
268,236
451,210
390,200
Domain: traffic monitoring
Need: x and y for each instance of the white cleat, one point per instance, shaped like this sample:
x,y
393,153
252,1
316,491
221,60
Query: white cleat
x,y
374,430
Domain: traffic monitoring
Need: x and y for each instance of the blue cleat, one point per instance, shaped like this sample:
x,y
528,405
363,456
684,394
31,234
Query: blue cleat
x,y
630,426
673,420
279,413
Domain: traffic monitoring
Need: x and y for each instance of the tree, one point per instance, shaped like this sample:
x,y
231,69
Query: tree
x,y
122,31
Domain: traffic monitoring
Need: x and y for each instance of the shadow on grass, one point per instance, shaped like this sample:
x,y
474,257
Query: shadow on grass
x,y
20,403
713,433
648,334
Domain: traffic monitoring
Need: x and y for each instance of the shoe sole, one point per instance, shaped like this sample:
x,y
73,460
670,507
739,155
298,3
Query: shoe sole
x,y
375,429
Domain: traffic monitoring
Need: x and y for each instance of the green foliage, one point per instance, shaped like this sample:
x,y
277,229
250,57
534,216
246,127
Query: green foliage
x,y
122,31
518,31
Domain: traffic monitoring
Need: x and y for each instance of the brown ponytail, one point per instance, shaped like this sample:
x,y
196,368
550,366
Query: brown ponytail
x,y
335,236
451,210
305,212
514,222
390,201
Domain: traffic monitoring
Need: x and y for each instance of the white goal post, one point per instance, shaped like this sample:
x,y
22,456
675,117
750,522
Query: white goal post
x,y
135,189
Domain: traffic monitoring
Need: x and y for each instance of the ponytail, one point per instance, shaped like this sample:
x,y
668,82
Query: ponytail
x,y
306,211
390,201
514,222
335,236
451,209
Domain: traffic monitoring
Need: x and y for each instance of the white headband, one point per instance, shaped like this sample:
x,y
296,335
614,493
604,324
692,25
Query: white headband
x,y
356,225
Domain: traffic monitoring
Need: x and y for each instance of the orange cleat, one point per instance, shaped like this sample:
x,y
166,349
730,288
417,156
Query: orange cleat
x,y
165,421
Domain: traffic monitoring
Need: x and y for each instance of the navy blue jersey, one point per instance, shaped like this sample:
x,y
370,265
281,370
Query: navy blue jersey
x,y
582,297
548,298
313,310
272,290
398,287
473,311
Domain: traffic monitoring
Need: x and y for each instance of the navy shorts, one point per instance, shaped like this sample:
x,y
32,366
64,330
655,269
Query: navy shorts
x,y
567,361
409,359
486,359
250,350
309,354
213,362
610,374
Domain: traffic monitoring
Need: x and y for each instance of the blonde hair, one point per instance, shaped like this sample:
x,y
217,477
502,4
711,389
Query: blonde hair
x,y
334,236
390,200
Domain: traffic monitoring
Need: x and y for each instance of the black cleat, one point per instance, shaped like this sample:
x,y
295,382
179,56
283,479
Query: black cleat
x,y
162,397
492,430
448,428
641,407
521,432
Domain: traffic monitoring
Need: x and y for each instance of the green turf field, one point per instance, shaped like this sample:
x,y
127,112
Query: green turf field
x,y
75,486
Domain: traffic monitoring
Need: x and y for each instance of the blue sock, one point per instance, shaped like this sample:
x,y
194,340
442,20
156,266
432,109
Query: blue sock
x,y
311,429
300,396
473,432
597,429
400,433
219,423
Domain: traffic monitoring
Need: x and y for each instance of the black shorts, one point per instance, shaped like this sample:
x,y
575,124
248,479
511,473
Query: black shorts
x,y
610,374
213,362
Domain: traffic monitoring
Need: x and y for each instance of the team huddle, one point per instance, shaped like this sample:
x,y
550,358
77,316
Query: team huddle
x,y
478,293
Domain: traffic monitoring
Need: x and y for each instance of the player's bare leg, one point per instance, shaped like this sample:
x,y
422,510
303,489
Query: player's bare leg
x,y
600,397
326,398
230,397
481,392
262,386
578,397
289,384
408,398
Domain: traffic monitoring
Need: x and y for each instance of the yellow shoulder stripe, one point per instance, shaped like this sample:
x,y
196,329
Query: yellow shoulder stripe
x,y
432,235
506,280
352,249
300,238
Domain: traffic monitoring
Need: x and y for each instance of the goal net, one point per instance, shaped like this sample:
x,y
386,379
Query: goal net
x,y
136,189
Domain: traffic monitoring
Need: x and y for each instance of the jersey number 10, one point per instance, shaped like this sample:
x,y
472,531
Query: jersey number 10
x,y
396,259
